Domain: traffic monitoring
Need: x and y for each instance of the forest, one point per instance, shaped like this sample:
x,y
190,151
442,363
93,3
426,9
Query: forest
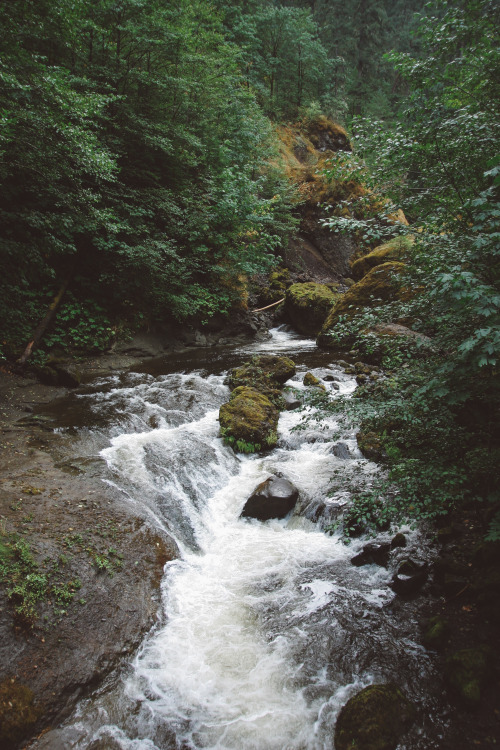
x,y
139,169
159,163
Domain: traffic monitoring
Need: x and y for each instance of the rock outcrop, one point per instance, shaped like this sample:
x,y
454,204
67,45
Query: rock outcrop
x,y
307,306
395,249
380,285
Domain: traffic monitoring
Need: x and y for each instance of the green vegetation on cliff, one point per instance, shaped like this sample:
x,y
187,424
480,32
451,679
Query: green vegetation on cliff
x,y
438,413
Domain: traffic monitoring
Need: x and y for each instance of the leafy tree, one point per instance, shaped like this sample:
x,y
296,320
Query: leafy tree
x,y
440,164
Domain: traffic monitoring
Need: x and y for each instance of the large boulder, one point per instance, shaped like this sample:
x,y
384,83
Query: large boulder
x,y
266,373
467,672
273,498
374,719
380,285
249,421
395,249
307,306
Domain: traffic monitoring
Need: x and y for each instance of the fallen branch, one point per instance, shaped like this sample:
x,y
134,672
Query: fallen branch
x,y
45,322
268,306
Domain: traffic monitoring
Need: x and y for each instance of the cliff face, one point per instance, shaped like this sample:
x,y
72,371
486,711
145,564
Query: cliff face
x,y
304,152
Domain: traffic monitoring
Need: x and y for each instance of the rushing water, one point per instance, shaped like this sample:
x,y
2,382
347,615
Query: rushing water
x,y
267,629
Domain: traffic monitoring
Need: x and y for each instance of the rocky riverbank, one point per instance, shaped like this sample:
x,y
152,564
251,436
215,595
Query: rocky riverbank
x,y
80,570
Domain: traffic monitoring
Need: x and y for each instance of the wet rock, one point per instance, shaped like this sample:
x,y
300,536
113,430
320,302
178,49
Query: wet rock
x,y
18,712
46,375
399,540
467,672
68,375
266,373
409,578
307,306
436,633
370,445
341,450
292,401
373,554
374,719
249,421
273,498
312,380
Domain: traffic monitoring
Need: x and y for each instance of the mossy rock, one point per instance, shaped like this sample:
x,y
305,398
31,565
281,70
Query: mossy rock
x,y
279,281
374,719
18,713
266,374
370,445
250,419
393,250
467,672
307,306
436,633
380,285
312,380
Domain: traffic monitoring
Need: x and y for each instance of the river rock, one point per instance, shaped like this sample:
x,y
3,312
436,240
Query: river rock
x,y
266,373
373,554
341,450
436,633
307,306
249,421
273,498
409,578
312,380
374,719
467,673
291,400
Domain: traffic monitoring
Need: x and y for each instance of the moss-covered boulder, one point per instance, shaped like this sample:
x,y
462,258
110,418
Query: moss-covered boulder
x,y
467,672
381,284
370,445
249,421
266,373
436,633
312,380
307,306
374,719
278,282
395,249
18,713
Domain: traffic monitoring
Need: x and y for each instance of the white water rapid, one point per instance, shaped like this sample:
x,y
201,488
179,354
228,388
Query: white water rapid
x,y
267,629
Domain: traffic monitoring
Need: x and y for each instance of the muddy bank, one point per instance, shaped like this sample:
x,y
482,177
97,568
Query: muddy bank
x,y
93,568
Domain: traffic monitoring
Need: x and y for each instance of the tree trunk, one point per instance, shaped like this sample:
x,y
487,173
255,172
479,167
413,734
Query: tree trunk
x,y
45,322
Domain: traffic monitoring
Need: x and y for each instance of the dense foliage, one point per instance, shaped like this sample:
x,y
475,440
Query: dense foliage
x,y
439,414
133,159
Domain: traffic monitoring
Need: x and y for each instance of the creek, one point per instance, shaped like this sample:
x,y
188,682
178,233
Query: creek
x,y
267,628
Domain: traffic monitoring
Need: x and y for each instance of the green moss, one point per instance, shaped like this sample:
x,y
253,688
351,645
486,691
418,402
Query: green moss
x,y
18,713
250,417
374,719
266,374
436,633
393,250
380,285
467,672
312,380
307,306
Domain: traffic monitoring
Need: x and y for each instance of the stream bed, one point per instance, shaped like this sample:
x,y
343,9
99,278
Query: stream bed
x,y
267,628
